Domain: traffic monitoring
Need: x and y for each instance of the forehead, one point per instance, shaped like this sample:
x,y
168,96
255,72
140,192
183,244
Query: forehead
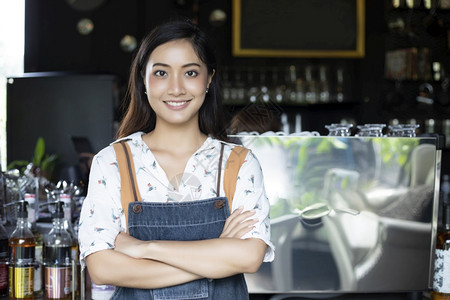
x,y
174,52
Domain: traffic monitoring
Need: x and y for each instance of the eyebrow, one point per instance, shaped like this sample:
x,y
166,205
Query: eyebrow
x,y
184,66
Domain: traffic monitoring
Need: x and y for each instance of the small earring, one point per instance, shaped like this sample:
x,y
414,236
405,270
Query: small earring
x,y
145,92
207,89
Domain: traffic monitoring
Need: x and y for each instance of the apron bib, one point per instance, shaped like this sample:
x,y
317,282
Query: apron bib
x,y
184,221
181,221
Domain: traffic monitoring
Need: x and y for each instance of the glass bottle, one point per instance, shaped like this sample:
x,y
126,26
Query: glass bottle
x,y
57,258
3,199
264,85
22,245
441,278
340,85
429,126
3,261
324,86
291,86
311,95
233,88
446,131
31,200
300,91
3,239
278,87
253,89
67,208
226,85
240,86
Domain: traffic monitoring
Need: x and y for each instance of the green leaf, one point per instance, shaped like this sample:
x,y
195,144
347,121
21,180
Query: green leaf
x,y
48,163
17,164
39,152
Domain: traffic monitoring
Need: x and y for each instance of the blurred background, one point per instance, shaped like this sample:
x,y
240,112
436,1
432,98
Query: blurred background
x,y
350,61
285,65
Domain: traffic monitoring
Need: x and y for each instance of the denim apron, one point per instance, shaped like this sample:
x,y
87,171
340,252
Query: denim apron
x,y
183,221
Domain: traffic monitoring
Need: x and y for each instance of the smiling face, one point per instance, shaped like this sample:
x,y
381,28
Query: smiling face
x,y
176,81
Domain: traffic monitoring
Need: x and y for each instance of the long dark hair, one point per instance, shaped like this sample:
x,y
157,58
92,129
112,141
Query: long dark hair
x,y
139,115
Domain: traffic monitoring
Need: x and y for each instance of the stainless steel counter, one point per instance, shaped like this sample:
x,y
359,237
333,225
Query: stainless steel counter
x,y
348,214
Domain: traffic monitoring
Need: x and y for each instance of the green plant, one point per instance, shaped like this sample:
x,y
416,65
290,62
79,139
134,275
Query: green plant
x,y
42,163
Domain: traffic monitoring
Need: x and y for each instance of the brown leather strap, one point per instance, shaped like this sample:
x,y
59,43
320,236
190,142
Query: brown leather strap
x,y
219,171
128,185
234,162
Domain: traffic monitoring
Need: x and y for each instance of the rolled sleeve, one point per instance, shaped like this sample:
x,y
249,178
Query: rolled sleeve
x,y
250,193
101,215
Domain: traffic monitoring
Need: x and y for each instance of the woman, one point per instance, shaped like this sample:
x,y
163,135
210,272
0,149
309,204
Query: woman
x,y
173,129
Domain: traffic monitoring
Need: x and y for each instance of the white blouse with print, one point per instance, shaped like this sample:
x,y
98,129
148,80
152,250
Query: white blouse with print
x,y
102,217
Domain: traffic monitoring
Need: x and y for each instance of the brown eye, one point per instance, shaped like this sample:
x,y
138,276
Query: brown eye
x,y
191,73
160,73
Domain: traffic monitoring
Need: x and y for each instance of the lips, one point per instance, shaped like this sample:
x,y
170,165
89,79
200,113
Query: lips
x,y
177,104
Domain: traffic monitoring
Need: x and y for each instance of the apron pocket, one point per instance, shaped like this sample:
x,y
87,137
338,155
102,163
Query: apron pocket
x,y
197,289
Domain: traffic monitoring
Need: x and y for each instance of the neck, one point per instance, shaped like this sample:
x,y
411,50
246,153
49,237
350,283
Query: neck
x,y
176,138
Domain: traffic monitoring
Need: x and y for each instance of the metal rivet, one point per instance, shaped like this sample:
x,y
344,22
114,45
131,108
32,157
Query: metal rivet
x,y
219,204
137,208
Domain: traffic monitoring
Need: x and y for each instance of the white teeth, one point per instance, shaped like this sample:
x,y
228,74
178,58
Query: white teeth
x,y
177,103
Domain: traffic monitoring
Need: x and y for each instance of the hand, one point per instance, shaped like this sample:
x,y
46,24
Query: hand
x,y
129,245
238,224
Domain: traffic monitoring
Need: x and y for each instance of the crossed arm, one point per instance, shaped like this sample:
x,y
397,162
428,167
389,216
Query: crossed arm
x,y
155,264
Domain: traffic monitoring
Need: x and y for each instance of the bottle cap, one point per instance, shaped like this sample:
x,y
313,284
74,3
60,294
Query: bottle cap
x,y
30,198
65,198
22,209
59,210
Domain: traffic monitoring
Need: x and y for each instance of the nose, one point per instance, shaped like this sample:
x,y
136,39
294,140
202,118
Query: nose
x,y
176,86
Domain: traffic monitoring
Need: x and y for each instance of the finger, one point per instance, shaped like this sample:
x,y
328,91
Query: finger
x,y
239,217
244,231
236,219
233,215
242,217
240,229
236,213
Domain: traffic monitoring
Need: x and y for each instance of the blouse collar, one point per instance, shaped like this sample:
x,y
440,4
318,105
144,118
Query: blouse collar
x,y
136,138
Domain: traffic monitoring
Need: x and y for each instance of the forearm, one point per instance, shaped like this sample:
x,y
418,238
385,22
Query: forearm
x,y
115,268
214,258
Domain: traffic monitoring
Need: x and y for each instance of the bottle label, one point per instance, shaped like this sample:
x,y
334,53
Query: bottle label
x,y
441,279
38,269
3,275
21,282
57,282
76,265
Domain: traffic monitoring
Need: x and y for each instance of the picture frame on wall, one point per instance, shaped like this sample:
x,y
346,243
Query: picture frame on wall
x,y
292,28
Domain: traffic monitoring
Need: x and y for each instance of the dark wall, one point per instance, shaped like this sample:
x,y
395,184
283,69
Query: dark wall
x,y
52,42
58,108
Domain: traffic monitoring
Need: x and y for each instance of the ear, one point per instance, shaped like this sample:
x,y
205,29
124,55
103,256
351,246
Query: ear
x,y
210,76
